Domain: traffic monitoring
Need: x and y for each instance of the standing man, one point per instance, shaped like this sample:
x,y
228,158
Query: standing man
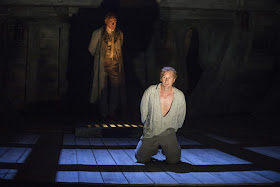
x,y
108,79
163,111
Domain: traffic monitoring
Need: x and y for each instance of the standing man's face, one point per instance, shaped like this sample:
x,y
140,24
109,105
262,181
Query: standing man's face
x,y
111,23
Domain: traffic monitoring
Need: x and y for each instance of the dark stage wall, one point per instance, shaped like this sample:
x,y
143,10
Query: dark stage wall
x,y
226,55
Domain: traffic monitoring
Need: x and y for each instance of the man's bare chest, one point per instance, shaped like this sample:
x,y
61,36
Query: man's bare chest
x,y
166,103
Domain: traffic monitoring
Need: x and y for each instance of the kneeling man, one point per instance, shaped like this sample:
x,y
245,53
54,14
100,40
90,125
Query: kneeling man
x,y
163,111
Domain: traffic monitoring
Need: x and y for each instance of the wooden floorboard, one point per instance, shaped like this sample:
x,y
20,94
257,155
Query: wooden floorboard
x,y
178,172
113,175
95,141
103,157
13,154
271,151
85,157
90,177
68,157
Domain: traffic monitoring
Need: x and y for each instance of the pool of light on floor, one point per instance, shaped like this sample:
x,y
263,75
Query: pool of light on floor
x,y
225,177
12,156
8,174
271,151
190,156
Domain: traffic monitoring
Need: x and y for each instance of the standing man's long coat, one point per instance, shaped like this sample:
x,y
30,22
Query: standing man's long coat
x,y
97,48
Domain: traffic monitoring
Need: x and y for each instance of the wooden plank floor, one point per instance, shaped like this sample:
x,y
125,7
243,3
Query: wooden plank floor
x,y
207,159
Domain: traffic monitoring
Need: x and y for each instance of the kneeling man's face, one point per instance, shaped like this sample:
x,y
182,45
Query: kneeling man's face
x,y
168,79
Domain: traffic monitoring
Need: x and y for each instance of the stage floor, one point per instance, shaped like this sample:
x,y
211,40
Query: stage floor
x,y
223,157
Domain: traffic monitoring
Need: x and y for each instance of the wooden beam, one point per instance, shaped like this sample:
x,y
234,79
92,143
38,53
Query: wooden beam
x,y
86,3
253,5
222,4
179,14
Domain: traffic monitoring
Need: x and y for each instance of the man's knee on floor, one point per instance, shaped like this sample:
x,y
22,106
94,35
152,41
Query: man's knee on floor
x,y
142,159
173,157
173,160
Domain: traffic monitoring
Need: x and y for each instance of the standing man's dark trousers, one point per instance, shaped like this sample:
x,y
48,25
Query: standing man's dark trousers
x,y
110,95
147,147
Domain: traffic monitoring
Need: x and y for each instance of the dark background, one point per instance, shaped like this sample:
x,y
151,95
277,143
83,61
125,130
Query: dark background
x,y
230,70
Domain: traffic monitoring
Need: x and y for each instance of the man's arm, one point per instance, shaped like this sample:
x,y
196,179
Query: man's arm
x,y
94,42
182,111
144,106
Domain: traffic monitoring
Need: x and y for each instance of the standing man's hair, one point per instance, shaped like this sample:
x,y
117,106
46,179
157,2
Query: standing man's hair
x,y
166,68
111,15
